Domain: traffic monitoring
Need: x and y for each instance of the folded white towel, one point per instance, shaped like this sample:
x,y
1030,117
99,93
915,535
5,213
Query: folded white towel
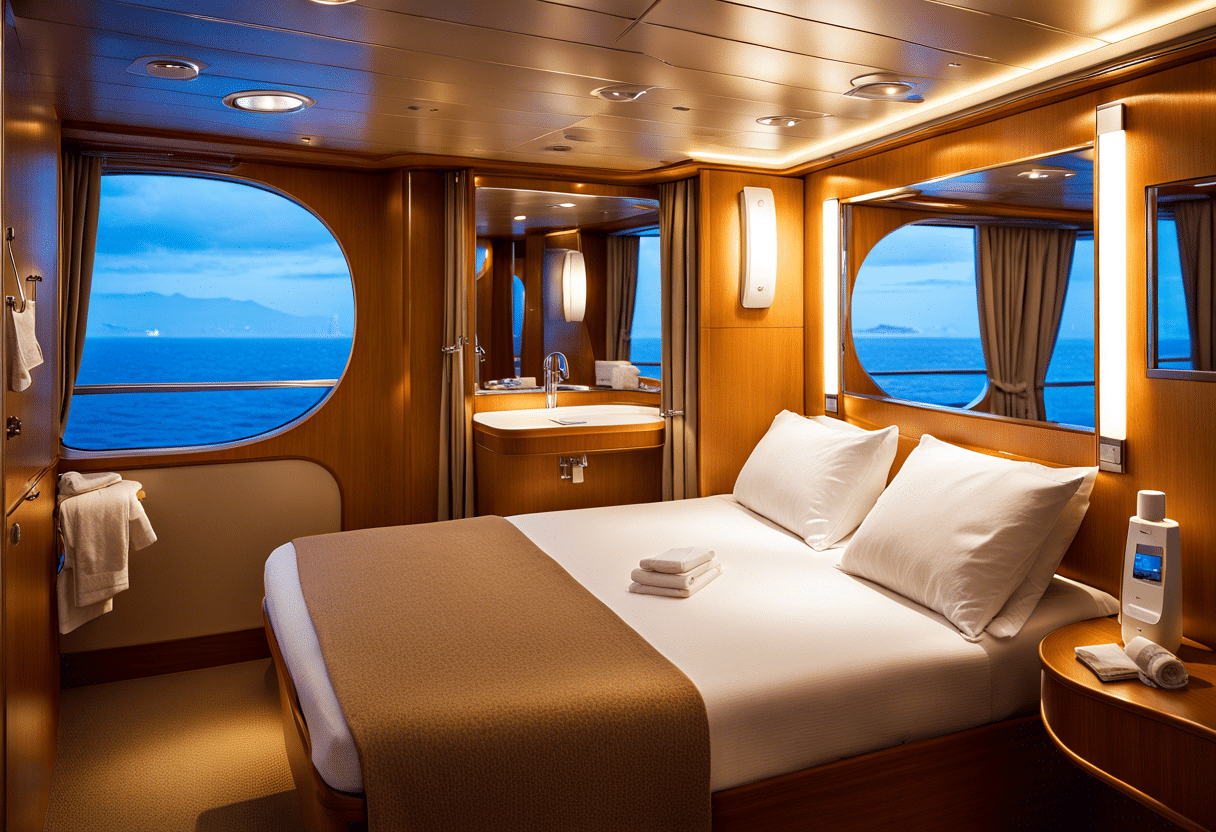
x,y
678,560
527,381
1159,668
625,378
671,592
676,580
603,371
24,354
74,482
1108,662
100,528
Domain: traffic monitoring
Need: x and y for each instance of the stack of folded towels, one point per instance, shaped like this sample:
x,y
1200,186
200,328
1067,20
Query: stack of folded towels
x,y
677,573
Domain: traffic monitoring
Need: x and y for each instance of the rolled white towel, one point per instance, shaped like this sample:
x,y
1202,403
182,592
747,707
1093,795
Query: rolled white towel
x,y
678,560
672,580
74,482
671,592
1108,662
1159,668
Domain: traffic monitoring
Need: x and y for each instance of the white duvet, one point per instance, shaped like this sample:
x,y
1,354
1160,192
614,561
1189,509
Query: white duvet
x,y
798,663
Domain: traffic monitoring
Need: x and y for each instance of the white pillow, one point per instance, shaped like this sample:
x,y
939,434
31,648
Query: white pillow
x,y
816,481
958,534
1025,598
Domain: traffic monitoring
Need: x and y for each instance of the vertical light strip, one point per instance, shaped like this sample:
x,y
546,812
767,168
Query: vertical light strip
x,y
831,304
1112,287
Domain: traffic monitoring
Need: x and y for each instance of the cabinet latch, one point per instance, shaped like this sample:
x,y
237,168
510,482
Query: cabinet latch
x,y
571,467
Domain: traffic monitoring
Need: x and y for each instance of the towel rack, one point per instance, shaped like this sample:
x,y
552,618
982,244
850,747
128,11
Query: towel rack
x,y
9,300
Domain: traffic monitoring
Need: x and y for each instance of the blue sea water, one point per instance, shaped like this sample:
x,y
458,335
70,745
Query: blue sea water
x,y
1073,362
158,420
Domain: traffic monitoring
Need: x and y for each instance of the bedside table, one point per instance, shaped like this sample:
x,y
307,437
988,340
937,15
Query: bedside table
x,y
1158,746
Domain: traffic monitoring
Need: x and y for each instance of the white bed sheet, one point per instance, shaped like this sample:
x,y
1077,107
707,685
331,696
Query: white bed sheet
x,y
798,663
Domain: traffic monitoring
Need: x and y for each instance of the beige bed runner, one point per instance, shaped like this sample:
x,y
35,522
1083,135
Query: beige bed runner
x,y
486,689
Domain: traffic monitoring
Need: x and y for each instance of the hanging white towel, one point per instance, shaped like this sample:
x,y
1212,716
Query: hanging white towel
x,y
100,528
24,354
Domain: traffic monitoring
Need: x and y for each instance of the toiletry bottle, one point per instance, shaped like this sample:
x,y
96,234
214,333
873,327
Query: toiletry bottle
x,y
1151,603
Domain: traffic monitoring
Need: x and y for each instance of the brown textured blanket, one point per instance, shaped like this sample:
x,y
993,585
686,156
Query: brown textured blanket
x,y
487,689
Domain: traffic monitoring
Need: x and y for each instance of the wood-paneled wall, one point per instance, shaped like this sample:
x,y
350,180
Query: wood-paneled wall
x,y
751,360
1169,138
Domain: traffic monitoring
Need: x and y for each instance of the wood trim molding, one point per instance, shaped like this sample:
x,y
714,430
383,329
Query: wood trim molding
x,y
115,664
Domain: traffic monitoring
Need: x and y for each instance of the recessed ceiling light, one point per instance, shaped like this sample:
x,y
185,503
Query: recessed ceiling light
x,y
884,87
306,139
953,65
561,205
558,148
167,67
778,121
622,92
1047,174
268,101
681,109
519,218
332,2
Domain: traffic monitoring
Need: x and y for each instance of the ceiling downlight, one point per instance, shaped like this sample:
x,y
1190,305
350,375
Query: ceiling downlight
x,y
167,67
622,92
885,87
779,121
268,101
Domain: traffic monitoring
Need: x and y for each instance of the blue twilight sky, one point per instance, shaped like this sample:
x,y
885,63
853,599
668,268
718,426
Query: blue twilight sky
x,y
924,277
647,311
209,238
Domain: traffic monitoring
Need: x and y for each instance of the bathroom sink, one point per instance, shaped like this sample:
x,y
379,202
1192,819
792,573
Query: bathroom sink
x,y
577,429
556,418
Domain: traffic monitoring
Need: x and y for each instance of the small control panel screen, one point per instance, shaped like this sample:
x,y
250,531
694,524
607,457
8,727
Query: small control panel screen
x,y
1147,565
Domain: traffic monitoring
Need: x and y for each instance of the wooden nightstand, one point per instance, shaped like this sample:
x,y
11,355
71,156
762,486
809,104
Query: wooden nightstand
x,y
1158,746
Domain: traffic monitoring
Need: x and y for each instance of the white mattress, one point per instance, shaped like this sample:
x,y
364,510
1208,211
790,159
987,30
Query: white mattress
x,y
798,663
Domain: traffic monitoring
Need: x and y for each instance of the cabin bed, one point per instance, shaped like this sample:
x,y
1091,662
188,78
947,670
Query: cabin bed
x,y
826,696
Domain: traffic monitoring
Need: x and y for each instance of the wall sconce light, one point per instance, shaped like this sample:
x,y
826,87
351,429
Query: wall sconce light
x,y
572,270
758,222
831,304
1112,287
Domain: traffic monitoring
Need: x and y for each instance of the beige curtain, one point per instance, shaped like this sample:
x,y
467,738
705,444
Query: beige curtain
x,y
455,429
1022,277
81,195
1196,240
678,206
622,294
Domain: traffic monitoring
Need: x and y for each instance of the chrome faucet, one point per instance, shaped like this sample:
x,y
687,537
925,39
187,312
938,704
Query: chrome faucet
x,y
553,375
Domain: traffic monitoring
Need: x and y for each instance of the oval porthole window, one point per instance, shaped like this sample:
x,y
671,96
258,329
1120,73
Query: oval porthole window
x,y
219,311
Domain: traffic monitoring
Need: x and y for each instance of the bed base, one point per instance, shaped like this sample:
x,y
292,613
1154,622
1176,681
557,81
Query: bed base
x,y
1005,775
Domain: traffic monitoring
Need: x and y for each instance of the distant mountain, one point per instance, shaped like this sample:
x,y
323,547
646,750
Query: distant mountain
x,y
177,316
889,329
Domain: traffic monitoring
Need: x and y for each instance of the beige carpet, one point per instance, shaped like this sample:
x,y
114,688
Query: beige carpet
x,y
190,752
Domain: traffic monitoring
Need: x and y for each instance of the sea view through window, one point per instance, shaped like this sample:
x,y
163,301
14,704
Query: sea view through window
x,y
219,311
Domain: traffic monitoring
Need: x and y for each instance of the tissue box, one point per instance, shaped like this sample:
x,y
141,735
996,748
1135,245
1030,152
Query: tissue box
x,y
603,371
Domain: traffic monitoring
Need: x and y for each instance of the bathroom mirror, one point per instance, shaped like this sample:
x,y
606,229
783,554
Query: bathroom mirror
x,y
1181,280
518,304
975,291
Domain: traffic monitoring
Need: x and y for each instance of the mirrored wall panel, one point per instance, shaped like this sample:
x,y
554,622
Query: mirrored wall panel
x,y
520,316
976,291
1182,280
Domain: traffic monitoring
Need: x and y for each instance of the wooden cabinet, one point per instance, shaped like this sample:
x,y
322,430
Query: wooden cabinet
x,y
523,473
1158,746
31,656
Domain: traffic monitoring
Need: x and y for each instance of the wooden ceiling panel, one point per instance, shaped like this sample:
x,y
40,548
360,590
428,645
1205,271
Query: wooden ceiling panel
x,y
950,29
497,208
1103,19
843,42
504,79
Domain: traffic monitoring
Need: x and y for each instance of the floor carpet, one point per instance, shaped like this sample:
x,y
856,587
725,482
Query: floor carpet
x,y
189,752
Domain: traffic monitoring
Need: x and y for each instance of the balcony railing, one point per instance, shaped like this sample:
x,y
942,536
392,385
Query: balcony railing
x,y
197,386
953,372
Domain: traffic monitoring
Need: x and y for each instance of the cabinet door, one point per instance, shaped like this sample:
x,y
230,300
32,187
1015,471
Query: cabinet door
x,y
31,657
